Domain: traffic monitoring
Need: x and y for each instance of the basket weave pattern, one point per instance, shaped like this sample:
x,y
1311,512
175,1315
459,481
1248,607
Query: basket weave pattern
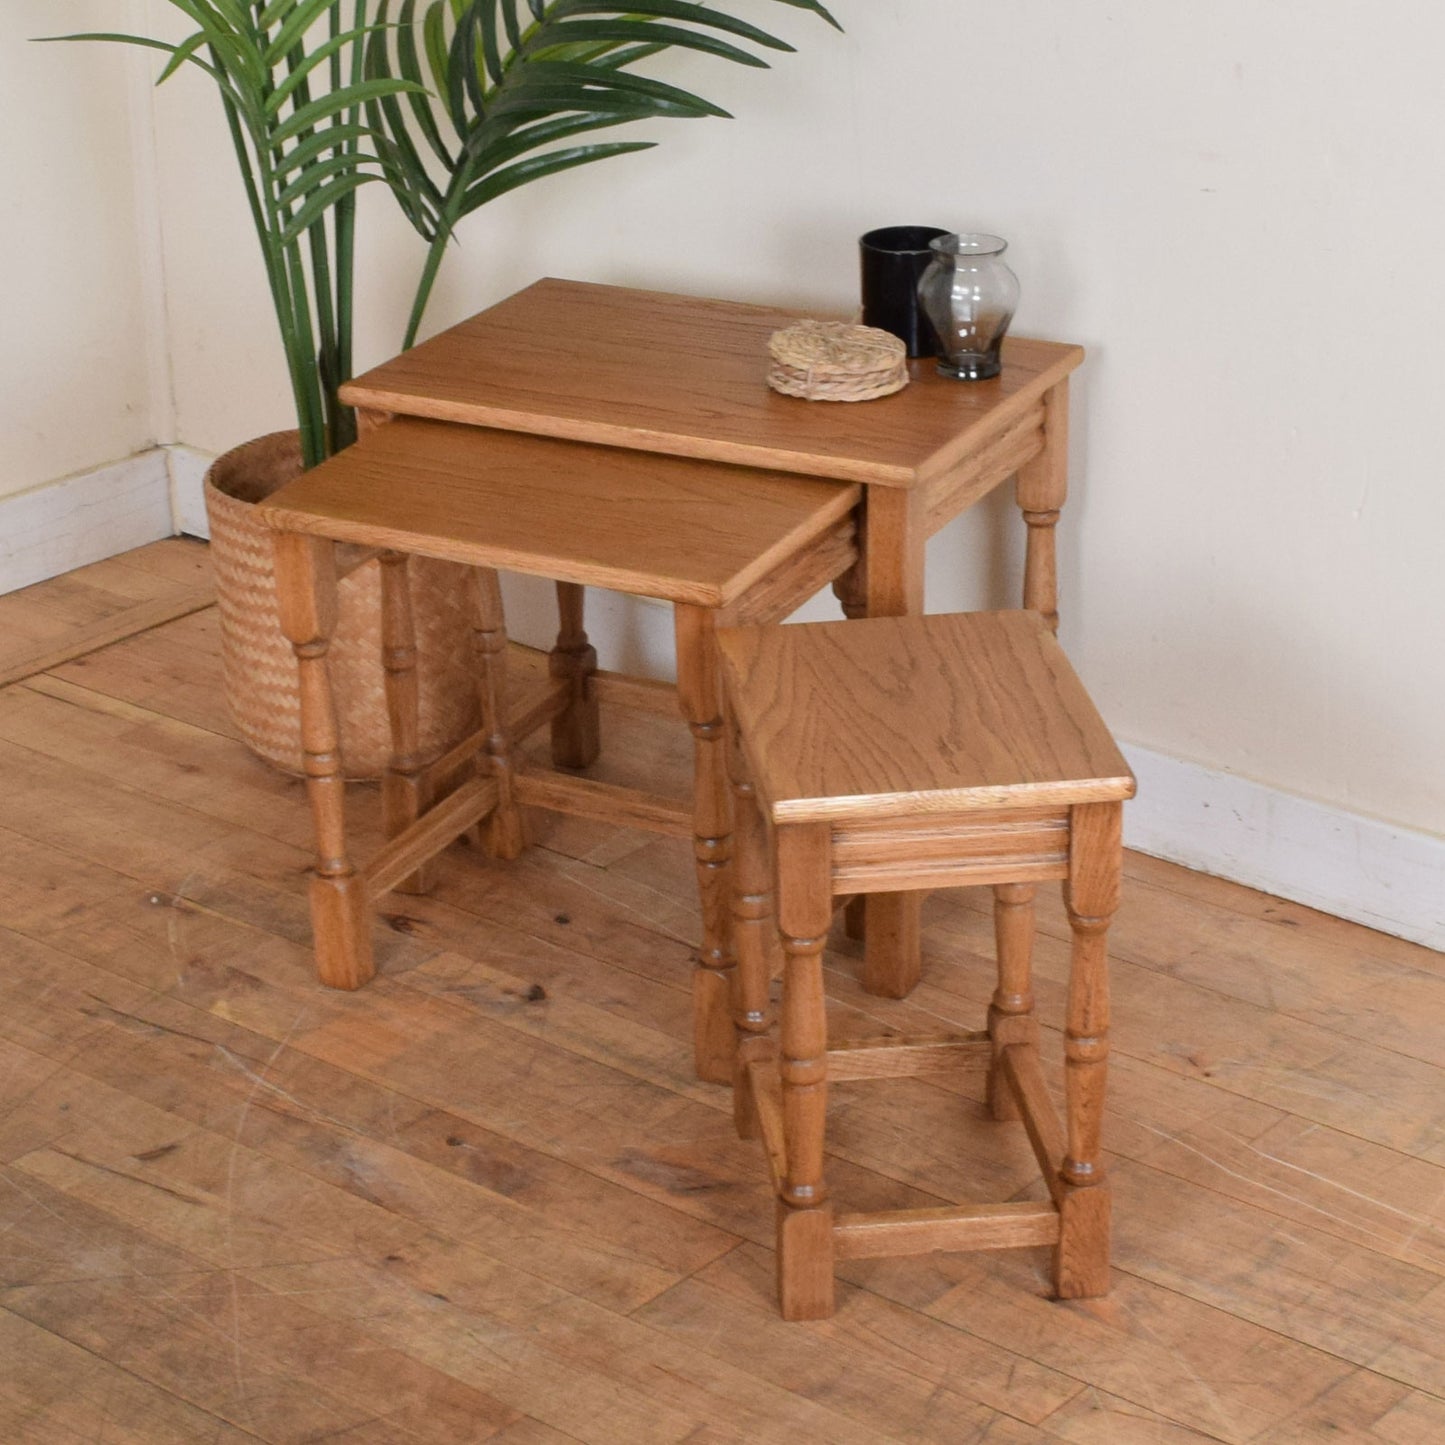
x,y
258,666
833,361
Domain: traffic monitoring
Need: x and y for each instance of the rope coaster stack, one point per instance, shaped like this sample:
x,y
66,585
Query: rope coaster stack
x,y
833,361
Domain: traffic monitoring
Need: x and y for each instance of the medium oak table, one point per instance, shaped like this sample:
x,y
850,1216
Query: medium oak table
x,y
684,376
722,545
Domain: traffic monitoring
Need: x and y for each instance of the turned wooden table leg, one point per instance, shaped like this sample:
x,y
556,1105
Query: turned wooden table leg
x,y
851,590
404,790
1041,489
1011,1012
805,1217
340,909
1091,895
755,938
504,832
894,537
700,698
576,732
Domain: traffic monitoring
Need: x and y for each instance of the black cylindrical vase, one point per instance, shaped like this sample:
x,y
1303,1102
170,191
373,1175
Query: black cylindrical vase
x,y
892,259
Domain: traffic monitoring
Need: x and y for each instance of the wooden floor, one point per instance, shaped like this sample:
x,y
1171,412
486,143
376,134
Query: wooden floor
x,y
484,1199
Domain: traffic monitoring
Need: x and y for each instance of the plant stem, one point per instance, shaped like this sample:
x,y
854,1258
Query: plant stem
x,y
343,422
326,359
435,252
299,363
344,418
295,317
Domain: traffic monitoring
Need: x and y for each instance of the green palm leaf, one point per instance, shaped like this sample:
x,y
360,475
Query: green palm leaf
x,y
641,32
234,51
499,182
507,143
328,106
434,36
318,106
180,55
183,52
301,18
673,10
296,120
410,69
237,17
577,87
513,23
318,57
113,36
517,77
310,178
618,56
328,138
321,201
817,9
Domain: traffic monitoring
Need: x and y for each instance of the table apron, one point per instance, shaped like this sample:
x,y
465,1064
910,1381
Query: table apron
x,y
977,474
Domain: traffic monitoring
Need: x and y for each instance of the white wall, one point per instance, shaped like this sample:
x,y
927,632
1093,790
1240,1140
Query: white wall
x,y
1236,207
75,368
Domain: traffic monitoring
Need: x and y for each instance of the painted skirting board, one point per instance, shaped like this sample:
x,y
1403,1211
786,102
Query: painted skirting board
x,y
188,469
1354,867
59,526
85,518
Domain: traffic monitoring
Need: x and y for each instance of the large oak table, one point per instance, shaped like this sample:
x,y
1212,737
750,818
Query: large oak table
x,y
684,376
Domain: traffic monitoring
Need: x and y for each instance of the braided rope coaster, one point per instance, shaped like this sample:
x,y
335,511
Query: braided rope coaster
x,y
833,361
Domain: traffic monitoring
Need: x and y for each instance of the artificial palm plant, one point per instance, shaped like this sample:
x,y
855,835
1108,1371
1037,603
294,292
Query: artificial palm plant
x,y
289,74
450,103
322,96
515,78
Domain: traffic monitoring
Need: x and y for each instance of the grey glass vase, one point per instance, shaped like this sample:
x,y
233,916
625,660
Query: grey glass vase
x,y
969,295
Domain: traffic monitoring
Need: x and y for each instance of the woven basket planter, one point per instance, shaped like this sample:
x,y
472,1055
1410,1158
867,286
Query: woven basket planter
x,y
258,666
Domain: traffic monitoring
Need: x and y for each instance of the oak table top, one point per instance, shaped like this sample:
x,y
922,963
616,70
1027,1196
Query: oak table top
x,y
682,530
684,375
911,715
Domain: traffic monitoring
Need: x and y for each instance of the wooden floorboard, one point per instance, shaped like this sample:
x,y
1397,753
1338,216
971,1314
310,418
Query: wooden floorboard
x,y
68,617
484,1199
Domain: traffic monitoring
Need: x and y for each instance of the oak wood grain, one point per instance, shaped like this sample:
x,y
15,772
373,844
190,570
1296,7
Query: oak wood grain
x,y
894,716
767,1099
686,376
76,614
888,1057
306,604
685,531
21,662
591,798
701,536
424,836
529,709
921,1231
978,475
642,694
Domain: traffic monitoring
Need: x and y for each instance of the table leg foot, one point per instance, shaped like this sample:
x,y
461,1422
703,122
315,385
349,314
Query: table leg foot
x,y
576,730
892,958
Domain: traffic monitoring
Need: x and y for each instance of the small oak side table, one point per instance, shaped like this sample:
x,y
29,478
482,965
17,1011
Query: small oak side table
x,y
684,376
907,752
